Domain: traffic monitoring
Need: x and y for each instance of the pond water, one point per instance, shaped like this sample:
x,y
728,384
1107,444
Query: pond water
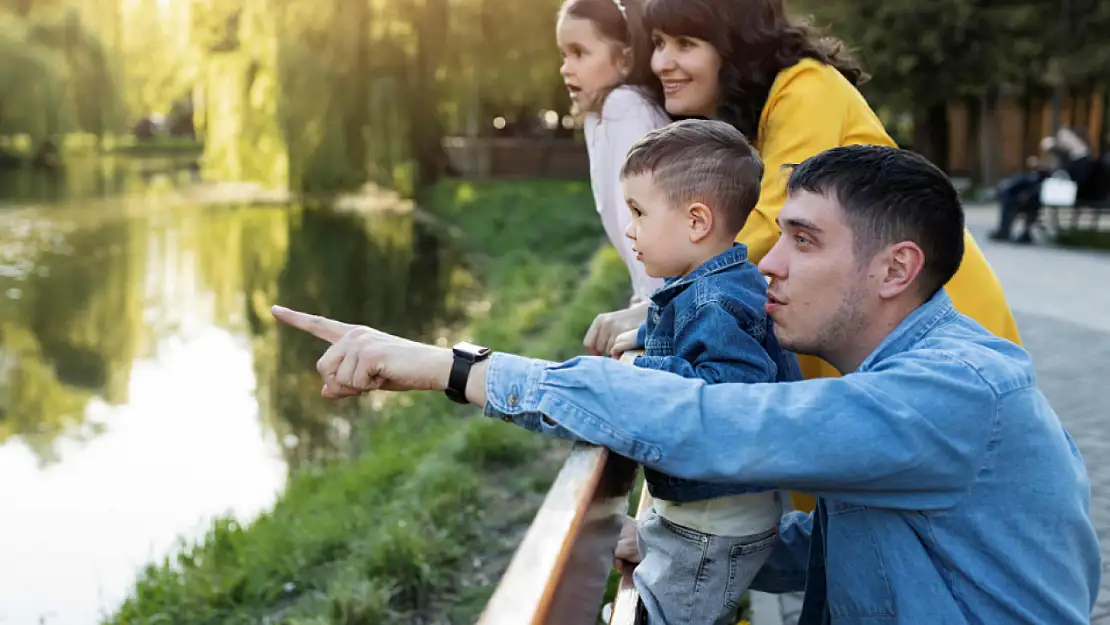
x,y
144,389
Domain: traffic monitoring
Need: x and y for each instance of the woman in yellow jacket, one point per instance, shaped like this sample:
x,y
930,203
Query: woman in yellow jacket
x,y
795,95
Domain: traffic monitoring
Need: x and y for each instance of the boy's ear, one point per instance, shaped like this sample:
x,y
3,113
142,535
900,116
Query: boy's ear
x,y
700,220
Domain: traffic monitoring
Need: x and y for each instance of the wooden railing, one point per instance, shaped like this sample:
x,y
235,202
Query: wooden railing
x,y
558,574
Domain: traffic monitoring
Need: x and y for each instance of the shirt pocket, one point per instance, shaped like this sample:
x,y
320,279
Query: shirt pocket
x,y
656,345
858,584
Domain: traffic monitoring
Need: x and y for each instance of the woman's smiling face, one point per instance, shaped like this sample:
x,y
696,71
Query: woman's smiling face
x,y
689,69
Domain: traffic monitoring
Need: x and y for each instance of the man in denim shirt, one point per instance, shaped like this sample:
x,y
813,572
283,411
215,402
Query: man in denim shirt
x,y
690,187
948,492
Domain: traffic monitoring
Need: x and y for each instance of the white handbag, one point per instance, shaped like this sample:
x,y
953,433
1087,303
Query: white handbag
x,y
1058,192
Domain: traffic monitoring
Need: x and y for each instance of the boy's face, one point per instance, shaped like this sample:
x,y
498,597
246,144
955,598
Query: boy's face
x,y
661,233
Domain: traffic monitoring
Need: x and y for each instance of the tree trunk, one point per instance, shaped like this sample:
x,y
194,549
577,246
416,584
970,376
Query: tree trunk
x,y
424,292
426,128
356,113
988,139
930,133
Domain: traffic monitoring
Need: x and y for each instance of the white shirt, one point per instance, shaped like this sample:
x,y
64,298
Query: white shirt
x,y
626,117
735,515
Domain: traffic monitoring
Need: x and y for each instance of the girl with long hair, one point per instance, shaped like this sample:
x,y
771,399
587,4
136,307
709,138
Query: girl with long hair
x,y
607,71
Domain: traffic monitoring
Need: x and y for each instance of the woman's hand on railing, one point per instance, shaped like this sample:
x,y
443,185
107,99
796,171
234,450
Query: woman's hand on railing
x,y
606,327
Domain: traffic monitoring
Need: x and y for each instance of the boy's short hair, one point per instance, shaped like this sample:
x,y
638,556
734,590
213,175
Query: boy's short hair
x,y
698,160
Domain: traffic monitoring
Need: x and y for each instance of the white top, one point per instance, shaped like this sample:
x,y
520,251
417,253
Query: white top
x,y
626,117
735,515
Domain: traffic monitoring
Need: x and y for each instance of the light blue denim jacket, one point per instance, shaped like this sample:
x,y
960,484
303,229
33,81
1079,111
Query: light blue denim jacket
x,y
710,324
948,490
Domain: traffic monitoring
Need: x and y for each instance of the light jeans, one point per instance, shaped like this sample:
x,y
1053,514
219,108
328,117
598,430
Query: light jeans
x,y
688,577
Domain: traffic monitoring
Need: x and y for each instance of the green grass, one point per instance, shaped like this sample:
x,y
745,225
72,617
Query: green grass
x,y
423,522
1085,239
163,146
127,145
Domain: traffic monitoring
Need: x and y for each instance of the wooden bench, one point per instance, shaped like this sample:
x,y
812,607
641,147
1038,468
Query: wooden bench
x,y
1092,210
1058,196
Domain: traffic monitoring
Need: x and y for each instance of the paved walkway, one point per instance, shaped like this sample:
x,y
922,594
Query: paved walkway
x,y
1061,299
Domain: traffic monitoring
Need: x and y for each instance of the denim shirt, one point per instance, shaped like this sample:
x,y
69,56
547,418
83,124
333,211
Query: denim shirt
x,y
948,491
710,324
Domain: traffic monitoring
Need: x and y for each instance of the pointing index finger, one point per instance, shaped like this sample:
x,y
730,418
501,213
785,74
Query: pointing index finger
x,y
323,328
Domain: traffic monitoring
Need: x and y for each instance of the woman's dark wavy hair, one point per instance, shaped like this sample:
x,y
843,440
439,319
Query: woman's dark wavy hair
x,y
756,40
625,28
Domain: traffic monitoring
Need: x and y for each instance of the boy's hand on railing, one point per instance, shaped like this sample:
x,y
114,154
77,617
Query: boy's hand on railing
x,y
627,554
624,343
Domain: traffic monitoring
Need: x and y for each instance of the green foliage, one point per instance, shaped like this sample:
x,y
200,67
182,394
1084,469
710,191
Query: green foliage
x,y
1084,49
419,524
544,236
925,53
1085,239
57,75
74,329
365,91
33,81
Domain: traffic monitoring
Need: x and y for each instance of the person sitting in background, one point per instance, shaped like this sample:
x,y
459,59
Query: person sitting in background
x,y
1020,194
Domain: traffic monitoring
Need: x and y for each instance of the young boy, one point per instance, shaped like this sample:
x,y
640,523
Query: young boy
x,y
690,187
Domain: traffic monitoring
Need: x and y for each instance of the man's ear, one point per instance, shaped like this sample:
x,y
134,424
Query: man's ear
x,y
899,267
700,221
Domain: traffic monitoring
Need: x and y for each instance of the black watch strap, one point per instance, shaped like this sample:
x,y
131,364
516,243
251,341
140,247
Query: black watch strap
x,y
466,354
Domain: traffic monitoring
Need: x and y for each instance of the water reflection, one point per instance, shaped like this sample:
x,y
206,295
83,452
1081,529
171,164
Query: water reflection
x,y
145,389
97,177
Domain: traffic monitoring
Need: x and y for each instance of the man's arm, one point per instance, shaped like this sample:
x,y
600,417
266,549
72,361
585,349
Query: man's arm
x,y
714,346
908,435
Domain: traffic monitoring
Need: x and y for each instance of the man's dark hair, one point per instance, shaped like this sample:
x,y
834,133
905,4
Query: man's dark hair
x,y
888,196
697,160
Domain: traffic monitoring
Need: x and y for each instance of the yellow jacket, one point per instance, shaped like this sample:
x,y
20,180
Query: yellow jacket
x,y
812,108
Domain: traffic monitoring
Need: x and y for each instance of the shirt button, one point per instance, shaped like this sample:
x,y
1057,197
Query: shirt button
x,y
655,317
512,400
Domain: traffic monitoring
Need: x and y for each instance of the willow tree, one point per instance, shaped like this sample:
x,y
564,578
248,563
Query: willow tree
x,y
57,75
33,83
355,90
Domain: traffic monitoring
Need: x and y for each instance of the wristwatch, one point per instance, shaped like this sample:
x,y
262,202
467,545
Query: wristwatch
x,y
466,354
